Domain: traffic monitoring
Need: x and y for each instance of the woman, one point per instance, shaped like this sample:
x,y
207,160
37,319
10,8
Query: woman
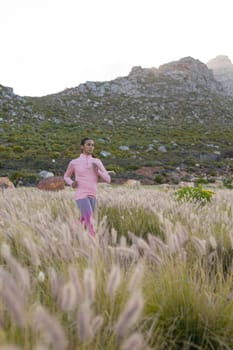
x,y
86,170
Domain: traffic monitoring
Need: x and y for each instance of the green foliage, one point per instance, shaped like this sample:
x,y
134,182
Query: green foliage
x,y
194,194
227,182
181,300
159,179
138,220
24,177
201,180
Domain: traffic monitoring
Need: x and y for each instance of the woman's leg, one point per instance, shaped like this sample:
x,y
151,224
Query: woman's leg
x,y
86,207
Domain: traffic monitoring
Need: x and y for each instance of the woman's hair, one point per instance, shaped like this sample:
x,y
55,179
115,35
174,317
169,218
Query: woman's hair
x,y
84,140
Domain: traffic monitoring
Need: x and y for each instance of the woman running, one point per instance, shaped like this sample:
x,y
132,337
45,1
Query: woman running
x,y
86,170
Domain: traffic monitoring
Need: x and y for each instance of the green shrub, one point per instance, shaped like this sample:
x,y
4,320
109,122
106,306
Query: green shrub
x,y
159,179
194,194
201,180
227,182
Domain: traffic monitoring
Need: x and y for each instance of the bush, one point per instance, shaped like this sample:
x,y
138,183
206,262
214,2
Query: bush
x,y
194,194
201,180
227,182
159,179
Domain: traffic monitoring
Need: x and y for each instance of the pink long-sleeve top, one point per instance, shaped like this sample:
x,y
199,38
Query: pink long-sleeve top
x,y
85,175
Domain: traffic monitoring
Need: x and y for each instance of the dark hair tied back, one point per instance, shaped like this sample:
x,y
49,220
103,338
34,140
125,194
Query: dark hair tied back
x,y
84,140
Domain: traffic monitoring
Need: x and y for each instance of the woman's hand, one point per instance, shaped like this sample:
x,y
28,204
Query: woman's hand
x,y
74,184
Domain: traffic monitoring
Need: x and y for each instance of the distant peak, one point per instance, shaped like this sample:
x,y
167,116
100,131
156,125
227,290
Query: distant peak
x,y
220,62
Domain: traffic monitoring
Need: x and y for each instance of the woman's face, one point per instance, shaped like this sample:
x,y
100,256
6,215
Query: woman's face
x,y
88,147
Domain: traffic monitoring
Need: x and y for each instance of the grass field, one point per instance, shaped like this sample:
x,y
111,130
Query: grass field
x,y
158,274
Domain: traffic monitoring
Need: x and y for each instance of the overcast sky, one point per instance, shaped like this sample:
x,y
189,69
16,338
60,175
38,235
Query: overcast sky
x,y
50,45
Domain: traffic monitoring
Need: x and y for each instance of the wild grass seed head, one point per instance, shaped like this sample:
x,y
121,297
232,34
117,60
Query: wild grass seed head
x,y
84,317
114,280
130,314
50,328
134,342
89,284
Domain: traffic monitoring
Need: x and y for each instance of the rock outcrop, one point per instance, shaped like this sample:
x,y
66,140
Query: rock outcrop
x,y
53,183
222,68
5,183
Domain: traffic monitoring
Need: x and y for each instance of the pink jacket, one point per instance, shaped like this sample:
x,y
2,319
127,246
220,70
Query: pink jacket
x,y
85,175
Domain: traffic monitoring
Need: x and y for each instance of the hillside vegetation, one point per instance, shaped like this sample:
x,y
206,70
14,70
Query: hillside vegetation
x,y
175,116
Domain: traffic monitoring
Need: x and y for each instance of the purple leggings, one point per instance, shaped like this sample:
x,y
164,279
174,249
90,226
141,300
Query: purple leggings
x,y
87,207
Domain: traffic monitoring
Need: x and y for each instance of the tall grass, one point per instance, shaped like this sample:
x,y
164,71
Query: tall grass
x,y
158,274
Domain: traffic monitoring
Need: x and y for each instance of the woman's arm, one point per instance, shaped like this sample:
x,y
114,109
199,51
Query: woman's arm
x,y
68,174
101,171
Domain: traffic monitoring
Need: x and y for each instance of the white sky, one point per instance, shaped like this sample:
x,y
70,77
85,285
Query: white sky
x,y
49,45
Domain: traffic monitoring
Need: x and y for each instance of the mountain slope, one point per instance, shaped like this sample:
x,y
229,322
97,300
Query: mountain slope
x,y
177,115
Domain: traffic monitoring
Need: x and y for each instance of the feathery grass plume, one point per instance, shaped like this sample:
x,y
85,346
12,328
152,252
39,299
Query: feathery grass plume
x,y
96,324
127,252
154,258
173,242
123,241
114,280
76,282
84,316
113,236
54,282
130,315
103,226
213,243
50,328
13,303
183,254
68,297
33,251
89,284
156,243
142,245
200,245
20,273
134,342
136,277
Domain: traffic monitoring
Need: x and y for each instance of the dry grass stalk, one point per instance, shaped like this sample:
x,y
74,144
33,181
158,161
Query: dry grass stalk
x,y
96,324
20,273
89,284
54,282
136,277
13,305
50,328
33,251
200,245
134,342
68,297
84,316
76,283
130,314
114,280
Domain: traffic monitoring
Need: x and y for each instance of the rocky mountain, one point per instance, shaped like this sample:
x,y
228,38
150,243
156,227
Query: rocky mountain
x,y
222,68
175,116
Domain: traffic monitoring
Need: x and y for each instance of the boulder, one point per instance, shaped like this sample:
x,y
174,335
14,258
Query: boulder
x,y
53,183
6,183
132,183
45,174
